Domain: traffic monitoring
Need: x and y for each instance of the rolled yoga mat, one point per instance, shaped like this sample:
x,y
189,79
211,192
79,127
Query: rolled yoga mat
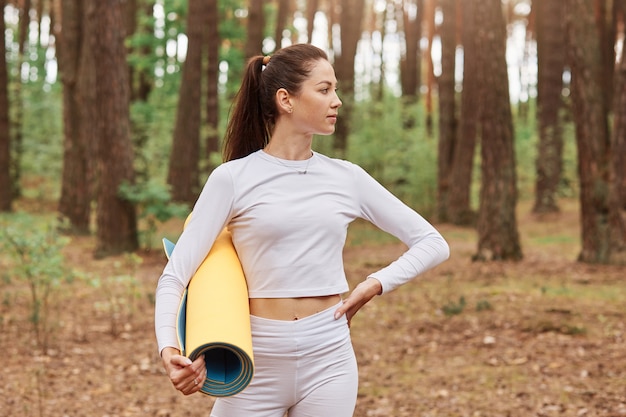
x,y
214,319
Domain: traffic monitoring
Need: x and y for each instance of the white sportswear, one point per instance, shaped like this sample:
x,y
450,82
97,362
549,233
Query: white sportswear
x,y
289,222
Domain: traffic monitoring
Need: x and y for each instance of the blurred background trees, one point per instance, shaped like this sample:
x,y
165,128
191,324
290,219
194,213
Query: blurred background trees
x,y
114,110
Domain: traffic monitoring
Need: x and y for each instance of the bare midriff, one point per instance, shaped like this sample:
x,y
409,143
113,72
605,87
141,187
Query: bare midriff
x,y
291,308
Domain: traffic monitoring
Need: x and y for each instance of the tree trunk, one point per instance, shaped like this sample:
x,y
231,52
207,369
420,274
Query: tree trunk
x,y
447,107
551,58
606,23
256,26
116,218
459,210
212,102
6,194
429,20
75,200
184,158
619,132
311,10
598,210
617,196
350,23
410,73
17,101
281,22
498,238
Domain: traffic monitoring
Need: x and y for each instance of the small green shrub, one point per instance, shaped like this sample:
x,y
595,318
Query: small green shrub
x,y
453,309
34,249
120,291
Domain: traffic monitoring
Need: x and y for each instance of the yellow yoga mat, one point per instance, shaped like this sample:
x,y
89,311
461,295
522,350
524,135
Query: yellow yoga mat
x,y
214,319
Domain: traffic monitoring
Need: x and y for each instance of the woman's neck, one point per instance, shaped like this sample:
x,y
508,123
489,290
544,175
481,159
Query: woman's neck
x,y
290,148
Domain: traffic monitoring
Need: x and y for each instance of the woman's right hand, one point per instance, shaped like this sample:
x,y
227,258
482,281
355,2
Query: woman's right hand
x,y
186,376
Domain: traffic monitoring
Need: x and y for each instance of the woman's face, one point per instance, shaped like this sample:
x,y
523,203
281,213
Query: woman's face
x,y
315,107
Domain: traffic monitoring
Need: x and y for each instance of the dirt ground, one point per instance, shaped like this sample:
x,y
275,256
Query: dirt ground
x,y
540,337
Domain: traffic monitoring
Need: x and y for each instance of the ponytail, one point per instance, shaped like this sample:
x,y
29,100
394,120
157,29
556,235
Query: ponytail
x,y
247,130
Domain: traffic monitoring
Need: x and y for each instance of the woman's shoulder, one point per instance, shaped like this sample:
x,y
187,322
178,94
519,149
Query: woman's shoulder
x,y
337,162
237,164
341,164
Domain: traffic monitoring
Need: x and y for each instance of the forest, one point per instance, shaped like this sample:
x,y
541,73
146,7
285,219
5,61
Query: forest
x,y
503,122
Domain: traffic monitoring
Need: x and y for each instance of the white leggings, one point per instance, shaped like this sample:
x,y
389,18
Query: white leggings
x,y
305,368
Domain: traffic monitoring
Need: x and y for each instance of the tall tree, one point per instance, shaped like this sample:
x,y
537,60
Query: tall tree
x,y
460,177
619,113
17,102
447,106
429,22
256,27
6,194
498,238
409,17
75,200
350,21
410,75
551,59
212,76
281,21
183,175
603,240
115,218
311,10
618,154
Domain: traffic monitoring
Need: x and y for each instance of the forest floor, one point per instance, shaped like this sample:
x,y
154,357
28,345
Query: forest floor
x,y
541,337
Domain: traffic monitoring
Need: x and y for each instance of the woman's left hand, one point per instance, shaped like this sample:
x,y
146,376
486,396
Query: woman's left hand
x,y
363,292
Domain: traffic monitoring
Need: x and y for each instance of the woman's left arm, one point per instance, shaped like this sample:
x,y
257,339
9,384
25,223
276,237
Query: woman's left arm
x,y
426,246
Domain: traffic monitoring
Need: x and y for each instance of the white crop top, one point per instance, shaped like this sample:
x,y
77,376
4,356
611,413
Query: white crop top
x,y
289,230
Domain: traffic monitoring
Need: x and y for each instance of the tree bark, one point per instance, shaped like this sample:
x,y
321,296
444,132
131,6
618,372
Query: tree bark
x,y
619,113
617,192
6,194
350,23
311,10
498,238
447,107
410,73
116,218
599,212
281,22
212,102
256,26
75,200
459,210
429,21
183,175
551,59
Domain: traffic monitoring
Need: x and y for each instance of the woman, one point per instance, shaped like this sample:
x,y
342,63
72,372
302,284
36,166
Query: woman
x,y
288,209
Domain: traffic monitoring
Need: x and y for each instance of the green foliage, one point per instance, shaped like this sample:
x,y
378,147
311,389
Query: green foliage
x,y
526,145
34,249
483,305
404,160
155,205
121,291
452,308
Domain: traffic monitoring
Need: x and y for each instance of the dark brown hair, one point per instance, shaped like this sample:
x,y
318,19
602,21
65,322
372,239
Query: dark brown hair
x,y
254,110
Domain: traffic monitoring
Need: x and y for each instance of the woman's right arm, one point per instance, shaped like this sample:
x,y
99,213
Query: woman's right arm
x,y
211,213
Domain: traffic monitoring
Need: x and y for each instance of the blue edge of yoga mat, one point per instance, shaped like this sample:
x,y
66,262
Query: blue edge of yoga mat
x,y
228,368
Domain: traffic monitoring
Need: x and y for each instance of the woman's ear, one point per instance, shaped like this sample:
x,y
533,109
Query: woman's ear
x,y
283,101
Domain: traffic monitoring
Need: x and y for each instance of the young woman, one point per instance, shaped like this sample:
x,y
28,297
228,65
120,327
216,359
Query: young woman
x,y
288,209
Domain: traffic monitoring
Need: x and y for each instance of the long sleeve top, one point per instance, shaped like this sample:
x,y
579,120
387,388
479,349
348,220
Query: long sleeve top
x,y
289,230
